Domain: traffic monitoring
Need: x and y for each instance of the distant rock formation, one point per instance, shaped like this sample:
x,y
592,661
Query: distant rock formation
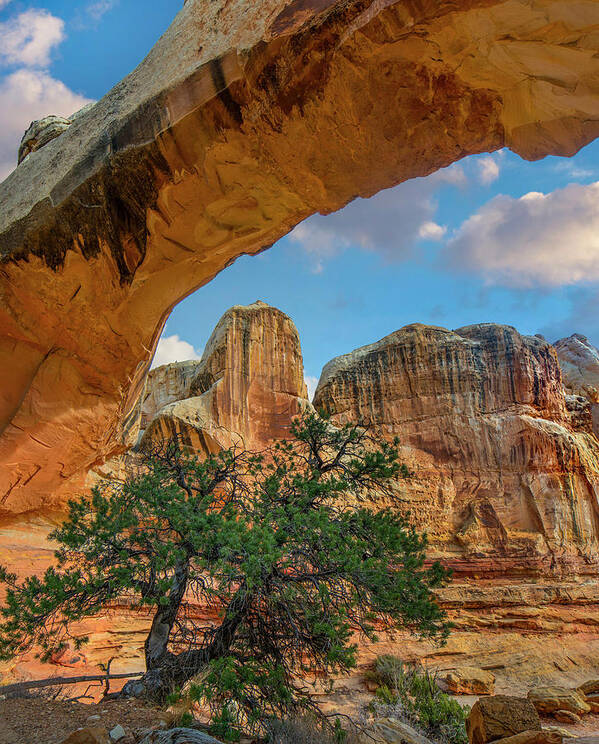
x,y
503,482
248,386
579,361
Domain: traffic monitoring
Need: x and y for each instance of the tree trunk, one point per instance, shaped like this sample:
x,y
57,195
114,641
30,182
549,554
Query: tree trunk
x,y
189,663
156,645
166,670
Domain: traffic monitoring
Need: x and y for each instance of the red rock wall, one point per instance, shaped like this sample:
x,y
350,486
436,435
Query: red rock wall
x,y
245,118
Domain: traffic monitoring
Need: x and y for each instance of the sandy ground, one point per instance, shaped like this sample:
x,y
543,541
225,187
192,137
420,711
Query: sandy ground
x,y
35,720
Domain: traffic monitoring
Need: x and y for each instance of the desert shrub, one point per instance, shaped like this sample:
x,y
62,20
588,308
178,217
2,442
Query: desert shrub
x,y
412,694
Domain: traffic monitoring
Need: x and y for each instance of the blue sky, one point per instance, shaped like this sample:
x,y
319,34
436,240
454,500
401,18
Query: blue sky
x,y
493,238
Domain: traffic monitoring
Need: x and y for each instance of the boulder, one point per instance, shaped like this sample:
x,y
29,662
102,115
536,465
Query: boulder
x,y
533,737
566,716
88,735
551,699
117,733
500,717
564,733
179,736
388,731
470,681
40,133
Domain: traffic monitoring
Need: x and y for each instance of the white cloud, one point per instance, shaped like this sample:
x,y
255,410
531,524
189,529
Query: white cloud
x,y
538,240
26,95
97,9
390,222
431,231
488,170
3,3
173,349
91,14
573,169
311,384
29,38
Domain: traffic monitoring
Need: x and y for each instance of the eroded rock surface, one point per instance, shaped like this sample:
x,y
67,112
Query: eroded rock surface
x,y
579,361
247,388
502,479
243,120
501,716
40,132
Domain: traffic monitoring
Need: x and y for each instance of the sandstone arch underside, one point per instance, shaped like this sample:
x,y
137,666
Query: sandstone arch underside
x,y
244,119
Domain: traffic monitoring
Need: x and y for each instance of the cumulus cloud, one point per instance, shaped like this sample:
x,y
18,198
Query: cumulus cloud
x,y
488,170
26,95
174,349
431,231
389,223
311,384
29,38
538,240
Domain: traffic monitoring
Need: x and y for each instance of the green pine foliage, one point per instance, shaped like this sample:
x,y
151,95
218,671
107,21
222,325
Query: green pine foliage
x,y
278,544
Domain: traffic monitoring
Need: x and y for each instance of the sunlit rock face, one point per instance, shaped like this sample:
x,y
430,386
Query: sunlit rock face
x,y
243,120
579,361
164,385
504,484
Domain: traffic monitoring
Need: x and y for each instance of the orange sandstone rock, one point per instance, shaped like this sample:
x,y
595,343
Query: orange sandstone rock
x,y
554,699
499,717
504,482
469,681
243,120
248,387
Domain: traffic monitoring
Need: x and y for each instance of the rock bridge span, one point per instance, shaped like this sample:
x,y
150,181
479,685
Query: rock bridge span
x,y
245,118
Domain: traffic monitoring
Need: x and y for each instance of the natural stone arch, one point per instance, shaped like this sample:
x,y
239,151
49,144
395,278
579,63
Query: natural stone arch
x,y
243,120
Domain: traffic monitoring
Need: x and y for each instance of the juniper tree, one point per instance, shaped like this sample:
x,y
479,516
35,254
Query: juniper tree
x,y
279,545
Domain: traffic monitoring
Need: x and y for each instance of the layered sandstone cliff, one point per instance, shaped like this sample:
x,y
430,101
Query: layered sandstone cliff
x,y
244,119
504,482
247,388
